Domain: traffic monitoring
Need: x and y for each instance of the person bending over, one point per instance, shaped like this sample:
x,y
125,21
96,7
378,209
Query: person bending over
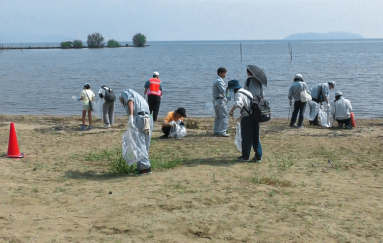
x,y
175,116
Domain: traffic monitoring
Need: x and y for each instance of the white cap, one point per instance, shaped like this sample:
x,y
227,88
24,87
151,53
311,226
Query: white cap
x,y
156,73
338,93
332,83
298,75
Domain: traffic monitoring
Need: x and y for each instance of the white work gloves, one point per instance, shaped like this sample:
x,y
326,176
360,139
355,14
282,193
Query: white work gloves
x,y
130,121
328,105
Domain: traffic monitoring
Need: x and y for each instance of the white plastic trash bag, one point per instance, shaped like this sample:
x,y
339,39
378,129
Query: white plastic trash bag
x,y
324,117
133,146
98,108
314,109
178,131
238,138
209,106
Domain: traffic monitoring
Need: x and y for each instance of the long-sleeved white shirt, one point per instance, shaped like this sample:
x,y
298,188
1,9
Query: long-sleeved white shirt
x,y
341,109
241,101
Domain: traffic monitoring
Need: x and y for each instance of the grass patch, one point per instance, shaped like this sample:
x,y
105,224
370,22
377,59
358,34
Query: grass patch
x,y
161,163
271,181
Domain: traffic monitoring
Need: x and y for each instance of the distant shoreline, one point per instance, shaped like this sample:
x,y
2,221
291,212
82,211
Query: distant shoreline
x,y
59,47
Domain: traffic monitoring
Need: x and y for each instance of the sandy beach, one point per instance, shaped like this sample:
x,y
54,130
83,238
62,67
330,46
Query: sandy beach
x,y
63,190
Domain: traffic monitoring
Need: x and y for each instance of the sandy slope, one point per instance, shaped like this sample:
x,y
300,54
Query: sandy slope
x,y
62,192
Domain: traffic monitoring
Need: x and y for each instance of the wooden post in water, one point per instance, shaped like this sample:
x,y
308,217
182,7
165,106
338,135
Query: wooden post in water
x,y
290,50
240,50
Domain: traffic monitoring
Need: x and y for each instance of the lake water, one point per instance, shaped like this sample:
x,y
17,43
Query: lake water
x,y
43,81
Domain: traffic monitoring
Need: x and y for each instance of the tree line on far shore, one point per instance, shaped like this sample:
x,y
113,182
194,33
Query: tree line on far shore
x,y
96,40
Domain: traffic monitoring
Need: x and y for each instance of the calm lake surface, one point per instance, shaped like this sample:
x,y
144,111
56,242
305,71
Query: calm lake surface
x,y
43,81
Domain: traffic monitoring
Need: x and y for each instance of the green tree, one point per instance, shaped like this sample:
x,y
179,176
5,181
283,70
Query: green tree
x,y
95,40
78,44
66,44
113,43
139,39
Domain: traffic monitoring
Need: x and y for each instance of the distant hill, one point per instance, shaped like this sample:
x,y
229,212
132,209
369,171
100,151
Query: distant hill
x,y
324,36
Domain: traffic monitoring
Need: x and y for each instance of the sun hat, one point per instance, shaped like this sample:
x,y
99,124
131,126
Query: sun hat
x,y
156,73
332,83
181,111
233,84
339,93
299,77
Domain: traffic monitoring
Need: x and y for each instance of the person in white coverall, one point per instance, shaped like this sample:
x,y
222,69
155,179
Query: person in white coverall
x,y
341,111
221,120
138,112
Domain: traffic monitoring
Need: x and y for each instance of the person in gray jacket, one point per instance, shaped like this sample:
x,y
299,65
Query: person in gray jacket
x,y
108,106
320,93
253,85
221,119
138,116
341,111
299,106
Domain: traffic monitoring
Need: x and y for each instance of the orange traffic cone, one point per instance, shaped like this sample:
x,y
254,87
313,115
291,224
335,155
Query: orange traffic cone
x,y
13,146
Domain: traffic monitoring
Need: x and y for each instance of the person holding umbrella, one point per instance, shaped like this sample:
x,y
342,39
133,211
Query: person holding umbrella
x,y
255,79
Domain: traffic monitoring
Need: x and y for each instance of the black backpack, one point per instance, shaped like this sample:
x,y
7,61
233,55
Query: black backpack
x,y
259,109
109,95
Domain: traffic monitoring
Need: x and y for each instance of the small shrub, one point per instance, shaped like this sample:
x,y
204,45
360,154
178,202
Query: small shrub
x,y
66,44
139,39
95,40
113,43
78,44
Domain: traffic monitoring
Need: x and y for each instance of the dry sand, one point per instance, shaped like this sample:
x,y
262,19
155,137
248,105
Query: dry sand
x,y
62,191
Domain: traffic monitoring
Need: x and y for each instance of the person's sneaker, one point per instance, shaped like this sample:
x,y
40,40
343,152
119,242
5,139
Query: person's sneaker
x,y
107,126
90,127
256,160
242,159
144,172
294,125
300,126
224,135
82,128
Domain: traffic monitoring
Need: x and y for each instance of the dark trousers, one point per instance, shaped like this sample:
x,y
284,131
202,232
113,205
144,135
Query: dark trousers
x,y
346,122
250,138
315,121
154,102
166,130
300,107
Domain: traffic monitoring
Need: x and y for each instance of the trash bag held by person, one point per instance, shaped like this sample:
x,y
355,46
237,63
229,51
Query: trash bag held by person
x,y
171,120
108,98
250,130
295,93
341,111
320,93
221,119
138,117
153,89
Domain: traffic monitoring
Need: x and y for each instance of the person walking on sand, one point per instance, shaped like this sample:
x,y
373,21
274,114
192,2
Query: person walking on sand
x,y
249,129
221,119
299,106
138,116
341,111
108,97
170,120
87,95
320,93
153,89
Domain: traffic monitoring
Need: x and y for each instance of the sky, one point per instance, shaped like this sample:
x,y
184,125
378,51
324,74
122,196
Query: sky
x,y
183,20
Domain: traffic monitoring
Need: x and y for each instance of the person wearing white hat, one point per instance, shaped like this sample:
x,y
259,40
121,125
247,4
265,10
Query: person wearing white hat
x,y
87,96
299,106
153,89
341,111
320,93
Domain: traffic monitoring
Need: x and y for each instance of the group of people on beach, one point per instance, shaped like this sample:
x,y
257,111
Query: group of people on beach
x,y
142,110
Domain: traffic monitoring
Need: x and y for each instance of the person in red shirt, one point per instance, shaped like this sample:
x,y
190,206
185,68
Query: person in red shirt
x,y
175,116
153,88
